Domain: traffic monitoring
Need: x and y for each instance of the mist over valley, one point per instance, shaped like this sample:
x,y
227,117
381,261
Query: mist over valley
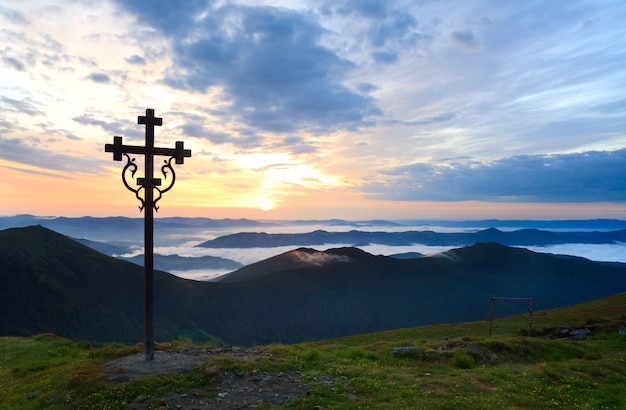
x,y
179,249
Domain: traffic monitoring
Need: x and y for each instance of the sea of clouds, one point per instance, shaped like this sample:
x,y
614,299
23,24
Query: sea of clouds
x,y
187,246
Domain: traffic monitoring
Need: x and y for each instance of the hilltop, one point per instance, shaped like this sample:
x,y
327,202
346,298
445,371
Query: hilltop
x,y
442,366
51,283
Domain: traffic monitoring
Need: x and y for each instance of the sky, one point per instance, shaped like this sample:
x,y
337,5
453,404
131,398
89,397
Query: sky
x,y
297,109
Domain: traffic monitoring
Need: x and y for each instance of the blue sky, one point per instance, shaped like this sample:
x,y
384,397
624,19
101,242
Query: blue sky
x,y
325,109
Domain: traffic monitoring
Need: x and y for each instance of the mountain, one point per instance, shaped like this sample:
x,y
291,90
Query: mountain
x,y
521,237
175,262
343,222
163,262
50,283
103,247
569,224
407,255
74,226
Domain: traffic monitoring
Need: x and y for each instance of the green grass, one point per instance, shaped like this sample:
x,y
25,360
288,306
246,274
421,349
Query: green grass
x,y
453,366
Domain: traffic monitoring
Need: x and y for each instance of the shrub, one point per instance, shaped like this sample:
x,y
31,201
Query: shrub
x,y
461,360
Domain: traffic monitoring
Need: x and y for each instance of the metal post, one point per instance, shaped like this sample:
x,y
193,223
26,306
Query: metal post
x,y
493,308
530,319
148,262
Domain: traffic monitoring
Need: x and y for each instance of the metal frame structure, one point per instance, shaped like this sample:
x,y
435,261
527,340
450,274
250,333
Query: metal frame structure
x,y
493,309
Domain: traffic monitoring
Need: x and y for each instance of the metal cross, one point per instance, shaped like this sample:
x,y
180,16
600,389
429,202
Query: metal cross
x,y
148,184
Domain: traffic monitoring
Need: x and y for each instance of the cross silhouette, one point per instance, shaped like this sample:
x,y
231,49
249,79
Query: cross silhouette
x,y
179,153
148,183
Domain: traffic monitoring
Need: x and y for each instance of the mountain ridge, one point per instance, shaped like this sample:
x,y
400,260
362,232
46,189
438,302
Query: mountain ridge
x,y
521,237
50,283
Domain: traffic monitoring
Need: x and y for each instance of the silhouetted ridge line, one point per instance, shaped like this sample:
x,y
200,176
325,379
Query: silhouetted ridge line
x,y
52,284
521,237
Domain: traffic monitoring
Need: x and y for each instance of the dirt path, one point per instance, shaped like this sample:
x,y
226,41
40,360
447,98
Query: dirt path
x,y
243,390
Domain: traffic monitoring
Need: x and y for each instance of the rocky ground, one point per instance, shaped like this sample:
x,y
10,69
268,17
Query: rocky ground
x,y
242,390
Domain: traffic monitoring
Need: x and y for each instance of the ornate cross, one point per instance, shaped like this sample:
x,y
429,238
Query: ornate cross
x,y
148,184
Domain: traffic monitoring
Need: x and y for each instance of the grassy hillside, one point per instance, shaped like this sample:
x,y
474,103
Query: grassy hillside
x,y
450,367
51,284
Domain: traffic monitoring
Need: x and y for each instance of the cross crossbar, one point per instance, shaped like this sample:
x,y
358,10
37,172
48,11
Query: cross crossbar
x,y
149,119
118,149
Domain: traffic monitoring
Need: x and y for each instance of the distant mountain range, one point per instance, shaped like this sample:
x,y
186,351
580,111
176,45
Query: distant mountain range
x,y
121,231
123,223
176,263
521,237
50,283
164,262
78,227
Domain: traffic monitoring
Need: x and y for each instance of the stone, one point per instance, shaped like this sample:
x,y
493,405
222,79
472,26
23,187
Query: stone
x,y
579,334
405,351
140,398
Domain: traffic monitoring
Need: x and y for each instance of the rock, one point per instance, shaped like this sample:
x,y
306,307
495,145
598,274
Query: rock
x,y
579,334
140,398
405,351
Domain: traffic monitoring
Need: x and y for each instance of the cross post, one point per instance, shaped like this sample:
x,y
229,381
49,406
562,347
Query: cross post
x,y
148,184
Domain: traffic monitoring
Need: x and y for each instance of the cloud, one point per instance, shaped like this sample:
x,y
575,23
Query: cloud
x,y
169,17
13,62
50,129
579,177
297,145
27,152
466,40
367,87
99,77
112,127
32,52
384,56
318,258
268,62
14,16
364,8
195,126
388,32
136,60
397,29
24,106
33,172
434,119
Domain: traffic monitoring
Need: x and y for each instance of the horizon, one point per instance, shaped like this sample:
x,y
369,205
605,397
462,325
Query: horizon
x,y
182,241
354,220
174,242
355,110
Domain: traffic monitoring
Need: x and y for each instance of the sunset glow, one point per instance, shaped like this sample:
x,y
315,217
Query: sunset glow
x,y
354,110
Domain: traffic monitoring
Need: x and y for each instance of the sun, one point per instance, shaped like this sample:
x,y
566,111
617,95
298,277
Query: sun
x,y
267,205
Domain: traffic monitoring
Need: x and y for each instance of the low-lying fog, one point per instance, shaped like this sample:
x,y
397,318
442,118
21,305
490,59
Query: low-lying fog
x,y
186,246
